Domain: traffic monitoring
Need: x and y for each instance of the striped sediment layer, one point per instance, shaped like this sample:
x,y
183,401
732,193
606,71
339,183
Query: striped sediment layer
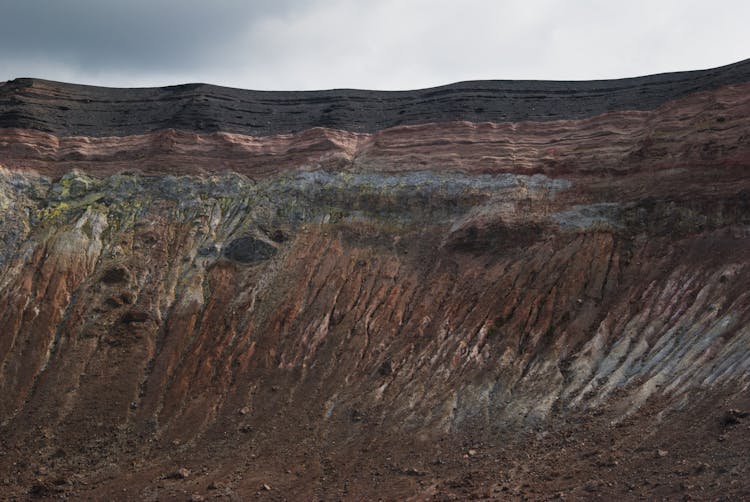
x,y
76,110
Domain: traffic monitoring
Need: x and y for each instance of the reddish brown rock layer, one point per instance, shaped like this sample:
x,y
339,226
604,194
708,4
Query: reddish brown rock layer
x,y
705,129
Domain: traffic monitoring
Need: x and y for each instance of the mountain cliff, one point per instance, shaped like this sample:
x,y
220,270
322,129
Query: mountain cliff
x,y
488,289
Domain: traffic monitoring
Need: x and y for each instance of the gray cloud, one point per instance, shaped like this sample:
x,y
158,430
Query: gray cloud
x,y
144,35
385,44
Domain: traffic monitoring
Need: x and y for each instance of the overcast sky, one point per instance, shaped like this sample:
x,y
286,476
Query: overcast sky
x,y
373,44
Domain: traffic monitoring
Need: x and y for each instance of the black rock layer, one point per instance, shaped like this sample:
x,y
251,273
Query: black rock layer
x,y
249,250
69,109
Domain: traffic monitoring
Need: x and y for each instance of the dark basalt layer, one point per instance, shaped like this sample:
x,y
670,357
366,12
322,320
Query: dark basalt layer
x,y
67,109
249,250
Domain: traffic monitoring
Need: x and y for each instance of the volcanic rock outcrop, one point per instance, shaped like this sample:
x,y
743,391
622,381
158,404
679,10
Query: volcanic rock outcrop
x,y
489,289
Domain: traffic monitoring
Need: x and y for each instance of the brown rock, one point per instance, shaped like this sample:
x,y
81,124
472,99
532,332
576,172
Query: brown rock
x,y
135,316
181,473
116,275
734,417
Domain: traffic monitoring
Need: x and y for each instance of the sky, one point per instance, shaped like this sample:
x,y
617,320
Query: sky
x,y
365,44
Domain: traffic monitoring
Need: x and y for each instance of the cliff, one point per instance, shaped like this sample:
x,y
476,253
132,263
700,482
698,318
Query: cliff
x,y
491,289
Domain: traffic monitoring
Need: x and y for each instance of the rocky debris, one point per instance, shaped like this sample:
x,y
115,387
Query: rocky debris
x,y
591,487
734,417
609,462
702,467
43,489
181,473
412,471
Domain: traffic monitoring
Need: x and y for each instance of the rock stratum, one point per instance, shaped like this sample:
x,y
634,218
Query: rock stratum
x,y
492,290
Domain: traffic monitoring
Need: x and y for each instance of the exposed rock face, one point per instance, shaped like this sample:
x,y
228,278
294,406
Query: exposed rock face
x,y
192,275
77,110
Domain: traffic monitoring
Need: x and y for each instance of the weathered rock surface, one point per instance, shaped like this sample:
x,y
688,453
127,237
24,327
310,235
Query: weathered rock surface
x,y
67,109
543,286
